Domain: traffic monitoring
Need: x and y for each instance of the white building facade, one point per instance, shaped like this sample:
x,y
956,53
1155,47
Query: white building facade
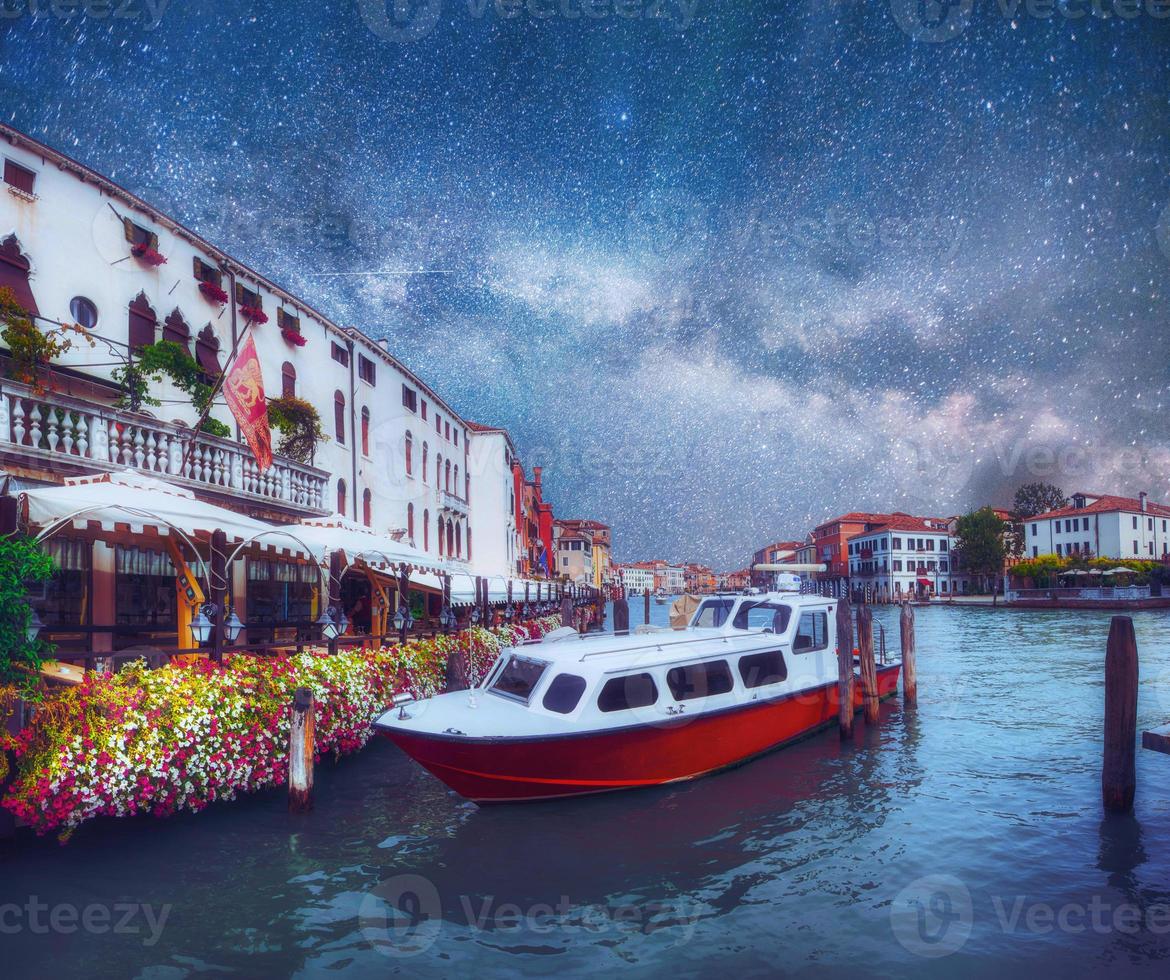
x,y
909,556
637,579
81,249
1102,526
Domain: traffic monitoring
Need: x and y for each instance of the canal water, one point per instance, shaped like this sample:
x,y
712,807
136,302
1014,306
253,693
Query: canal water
x,y
963,839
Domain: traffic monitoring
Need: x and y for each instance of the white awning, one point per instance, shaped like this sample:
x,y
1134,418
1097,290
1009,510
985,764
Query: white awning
x,y
463,589
337,533
109,502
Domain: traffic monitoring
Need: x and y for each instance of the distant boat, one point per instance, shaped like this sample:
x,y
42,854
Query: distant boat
x,y
660,598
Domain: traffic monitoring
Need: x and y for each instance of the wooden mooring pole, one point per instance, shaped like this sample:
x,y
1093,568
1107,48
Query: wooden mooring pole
x,y
301,738
646,606
869,687
1118,778
909,670
621,617
844,667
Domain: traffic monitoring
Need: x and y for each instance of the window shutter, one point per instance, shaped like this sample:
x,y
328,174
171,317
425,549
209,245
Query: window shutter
x,y
14,270
140,331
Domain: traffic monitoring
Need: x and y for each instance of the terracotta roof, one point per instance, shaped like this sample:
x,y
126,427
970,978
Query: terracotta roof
x,y
480,427
1107,504
904,522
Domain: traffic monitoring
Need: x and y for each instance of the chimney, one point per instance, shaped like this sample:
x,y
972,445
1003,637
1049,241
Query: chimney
x,y
536,476
1142,497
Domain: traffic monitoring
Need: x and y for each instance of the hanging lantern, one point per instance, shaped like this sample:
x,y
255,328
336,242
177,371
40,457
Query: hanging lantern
x,y
203,623
233,626
35,625
475,615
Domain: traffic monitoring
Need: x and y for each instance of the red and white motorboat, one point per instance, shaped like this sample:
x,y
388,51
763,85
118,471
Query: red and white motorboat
x,y
574,714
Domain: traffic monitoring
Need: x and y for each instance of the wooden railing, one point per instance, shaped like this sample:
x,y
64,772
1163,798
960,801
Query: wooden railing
x,y
56,429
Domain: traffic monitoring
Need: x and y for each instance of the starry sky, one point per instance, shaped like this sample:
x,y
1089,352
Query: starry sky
x,y
723,269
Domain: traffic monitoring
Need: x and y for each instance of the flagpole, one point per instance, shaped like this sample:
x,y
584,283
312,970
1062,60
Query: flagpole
x,y
215,391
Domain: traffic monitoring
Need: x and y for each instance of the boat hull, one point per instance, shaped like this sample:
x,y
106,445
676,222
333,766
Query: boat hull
x,y
512,770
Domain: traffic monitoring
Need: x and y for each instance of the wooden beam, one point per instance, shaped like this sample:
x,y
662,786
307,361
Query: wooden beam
x,y
1157,739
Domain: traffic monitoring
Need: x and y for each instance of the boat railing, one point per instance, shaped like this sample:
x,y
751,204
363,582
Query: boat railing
x,y
659,644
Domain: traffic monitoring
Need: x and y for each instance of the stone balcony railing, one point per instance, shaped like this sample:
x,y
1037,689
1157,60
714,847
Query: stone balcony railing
x,y
58,433
453,502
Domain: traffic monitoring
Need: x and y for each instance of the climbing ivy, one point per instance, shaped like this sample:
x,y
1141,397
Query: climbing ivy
x,y
32,350
299,426
22,562
167,358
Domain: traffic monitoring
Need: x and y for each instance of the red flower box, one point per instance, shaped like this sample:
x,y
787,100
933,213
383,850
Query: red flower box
x,y
217,294
294,337
148,255
255,314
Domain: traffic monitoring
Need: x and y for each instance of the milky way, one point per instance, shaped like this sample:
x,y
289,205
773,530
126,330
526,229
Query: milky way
x,y
721,269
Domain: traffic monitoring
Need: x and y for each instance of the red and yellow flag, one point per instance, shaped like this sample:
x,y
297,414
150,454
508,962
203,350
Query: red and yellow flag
x,y
243,389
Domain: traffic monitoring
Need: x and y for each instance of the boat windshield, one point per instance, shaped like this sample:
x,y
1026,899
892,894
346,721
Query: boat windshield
x,y
518,677
713,612
763,615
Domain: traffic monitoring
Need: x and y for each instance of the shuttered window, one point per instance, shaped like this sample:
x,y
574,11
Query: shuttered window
x,y
19,177
175,329
142,323
14,272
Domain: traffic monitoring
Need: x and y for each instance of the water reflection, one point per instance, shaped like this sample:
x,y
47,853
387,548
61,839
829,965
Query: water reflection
x,y
792,861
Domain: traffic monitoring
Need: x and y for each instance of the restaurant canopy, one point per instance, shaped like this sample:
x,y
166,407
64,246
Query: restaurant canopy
x,y
359,543
110,506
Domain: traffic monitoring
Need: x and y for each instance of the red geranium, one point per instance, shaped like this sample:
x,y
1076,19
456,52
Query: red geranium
x,y
294,337
148,254
254,313
213,292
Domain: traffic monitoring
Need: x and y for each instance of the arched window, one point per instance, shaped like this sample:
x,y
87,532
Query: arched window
x,y
339,417
426,530
458,541
365,432
409,452
207,353
438,470
455,482
447,475
469,543
367,508
175,330
142,323
424,466
450,539
410,523
341,497
14,270
288,380
439,528
467,492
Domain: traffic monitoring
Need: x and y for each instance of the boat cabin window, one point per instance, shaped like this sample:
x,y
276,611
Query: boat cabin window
x,y
713,612
812,633
564,693
761,669
699,680
631,691
762,615
518,677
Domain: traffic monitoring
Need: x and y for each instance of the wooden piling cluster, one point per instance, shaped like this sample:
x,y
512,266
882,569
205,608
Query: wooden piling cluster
x,y
844,667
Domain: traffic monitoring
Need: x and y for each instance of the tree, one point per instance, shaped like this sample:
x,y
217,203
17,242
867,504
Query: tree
x,y
1032,499
980,545
1037,498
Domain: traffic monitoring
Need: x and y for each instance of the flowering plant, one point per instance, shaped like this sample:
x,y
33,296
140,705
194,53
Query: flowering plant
x,y
254,313
215,293
294,337
186,735
147,253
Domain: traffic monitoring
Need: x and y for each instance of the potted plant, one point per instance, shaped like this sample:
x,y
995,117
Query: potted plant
x,y
254,313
